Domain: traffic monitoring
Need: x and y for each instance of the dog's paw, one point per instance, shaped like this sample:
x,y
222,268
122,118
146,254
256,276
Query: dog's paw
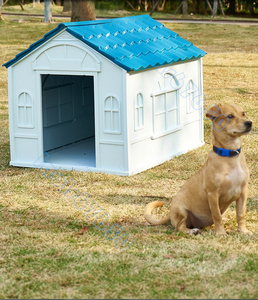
x,y
195,231
221,233
245,231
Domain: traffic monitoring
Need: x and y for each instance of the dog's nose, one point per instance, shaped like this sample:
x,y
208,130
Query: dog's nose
x,y
248,123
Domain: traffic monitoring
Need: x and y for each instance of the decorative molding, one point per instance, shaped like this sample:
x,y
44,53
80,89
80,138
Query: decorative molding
x,y
25,136
82,59
111,142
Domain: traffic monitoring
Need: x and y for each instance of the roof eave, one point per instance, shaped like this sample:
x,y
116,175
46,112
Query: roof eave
x,y
35,45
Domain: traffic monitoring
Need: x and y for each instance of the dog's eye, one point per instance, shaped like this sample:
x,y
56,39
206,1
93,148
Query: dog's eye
x,y
243,113
230,116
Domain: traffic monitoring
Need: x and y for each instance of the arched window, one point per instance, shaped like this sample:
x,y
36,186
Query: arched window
x,y
139,112
25,113
165,104
112,115
190,96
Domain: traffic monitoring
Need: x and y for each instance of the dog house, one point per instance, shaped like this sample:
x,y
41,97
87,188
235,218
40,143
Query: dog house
x,y
116,96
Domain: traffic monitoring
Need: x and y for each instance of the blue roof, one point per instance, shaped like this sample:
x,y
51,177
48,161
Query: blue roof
x,y
133,43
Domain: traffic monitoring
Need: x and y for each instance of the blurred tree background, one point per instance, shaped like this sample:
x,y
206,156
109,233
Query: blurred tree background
x,y
205,7
191,6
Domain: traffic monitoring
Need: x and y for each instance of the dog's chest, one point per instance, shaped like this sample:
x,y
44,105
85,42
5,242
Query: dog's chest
x,y
235,179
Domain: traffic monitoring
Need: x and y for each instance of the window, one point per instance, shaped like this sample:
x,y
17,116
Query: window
x,y
189,97
25,114
112,115
139,112
165,104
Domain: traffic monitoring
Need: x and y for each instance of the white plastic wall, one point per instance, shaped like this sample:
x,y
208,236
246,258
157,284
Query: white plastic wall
x,y
65,55
164,116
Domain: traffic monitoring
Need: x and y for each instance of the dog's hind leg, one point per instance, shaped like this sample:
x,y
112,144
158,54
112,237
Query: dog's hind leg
x,y
178,218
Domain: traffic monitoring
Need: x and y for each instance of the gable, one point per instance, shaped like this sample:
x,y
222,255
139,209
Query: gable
x,y
65,54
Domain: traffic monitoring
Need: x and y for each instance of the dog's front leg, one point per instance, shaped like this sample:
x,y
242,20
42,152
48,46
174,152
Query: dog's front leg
x,y
240,211
213,199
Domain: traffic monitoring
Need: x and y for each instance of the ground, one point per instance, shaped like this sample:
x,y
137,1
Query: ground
x,y
44,253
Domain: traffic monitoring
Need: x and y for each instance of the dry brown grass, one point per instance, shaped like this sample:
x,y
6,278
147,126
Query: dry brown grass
x,y
40,255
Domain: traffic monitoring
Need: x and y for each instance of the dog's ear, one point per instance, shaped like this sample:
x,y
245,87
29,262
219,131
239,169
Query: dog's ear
x,y
213,111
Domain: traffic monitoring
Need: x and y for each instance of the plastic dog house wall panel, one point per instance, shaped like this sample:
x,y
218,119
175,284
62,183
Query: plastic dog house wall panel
x,y
170,124
108,131
157,152
25,153
23,107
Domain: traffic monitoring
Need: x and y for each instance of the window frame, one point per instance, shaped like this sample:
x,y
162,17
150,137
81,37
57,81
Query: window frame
x,y
23,108
138,109
112,111
164,92
190,96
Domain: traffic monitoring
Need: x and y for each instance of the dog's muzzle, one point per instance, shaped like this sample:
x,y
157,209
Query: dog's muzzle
x,y
248,125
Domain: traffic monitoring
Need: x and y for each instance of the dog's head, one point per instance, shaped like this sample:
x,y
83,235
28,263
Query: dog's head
x,y
229,119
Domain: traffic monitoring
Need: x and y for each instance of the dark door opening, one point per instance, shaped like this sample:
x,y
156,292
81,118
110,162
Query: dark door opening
x,y
68,119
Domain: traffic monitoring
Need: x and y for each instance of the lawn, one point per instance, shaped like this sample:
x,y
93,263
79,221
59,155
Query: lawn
x,y
44,254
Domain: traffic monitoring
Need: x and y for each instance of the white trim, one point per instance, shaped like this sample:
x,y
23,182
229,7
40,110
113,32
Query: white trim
x,y
11,111
166,111
39,113
26,136
32,109
163,92
58,167
64,72
201,112
135,108
71,44
96,118
158,135
82,71
140,139
126,126
40,109
190,96
111,142
119,131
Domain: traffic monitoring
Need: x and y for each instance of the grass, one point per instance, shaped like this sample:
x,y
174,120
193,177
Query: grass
x,y
42,256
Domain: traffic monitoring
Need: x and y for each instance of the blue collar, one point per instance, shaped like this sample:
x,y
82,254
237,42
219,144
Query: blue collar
x,y
226,152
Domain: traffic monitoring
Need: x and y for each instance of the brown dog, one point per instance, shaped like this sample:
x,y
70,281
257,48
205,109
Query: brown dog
x,y
204,198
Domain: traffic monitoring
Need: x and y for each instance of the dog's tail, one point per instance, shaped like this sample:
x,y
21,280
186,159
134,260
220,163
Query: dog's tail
x,y
149,218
